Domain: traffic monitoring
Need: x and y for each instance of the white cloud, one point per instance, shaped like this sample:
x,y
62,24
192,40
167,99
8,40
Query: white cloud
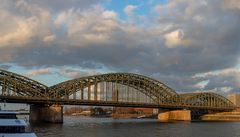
x,y
22,32
109,15
169,6
235,73
129,9
174,38
88,26
63,17
70,73
199,18
95,34
225,72
202,84
96,38
17,30
75,73
232,73
49,38
224,91
39,72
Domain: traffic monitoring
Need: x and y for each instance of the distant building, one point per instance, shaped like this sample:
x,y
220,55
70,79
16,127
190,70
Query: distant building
x,y
235,99
130,110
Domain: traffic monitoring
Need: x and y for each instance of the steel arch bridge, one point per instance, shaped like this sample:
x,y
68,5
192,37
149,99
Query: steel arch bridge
x,y
113,89
18,85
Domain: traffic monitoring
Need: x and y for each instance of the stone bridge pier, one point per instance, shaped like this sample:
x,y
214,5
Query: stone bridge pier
x,y
46,113
174,115
185,115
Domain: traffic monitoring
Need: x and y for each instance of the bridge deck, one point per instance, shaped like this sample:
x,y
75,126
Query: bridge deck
x,y
113,89
12,99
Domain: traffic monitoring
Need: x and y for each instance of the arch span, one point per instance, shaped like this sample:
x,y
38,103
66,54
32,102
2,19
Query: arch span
x,y
206,100
113,89
121,82
14,84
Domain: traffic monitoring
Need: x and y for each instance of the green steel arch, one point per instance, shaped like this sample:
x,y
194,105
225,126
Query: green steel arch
x,y
206,100
157,91
113,89
15,84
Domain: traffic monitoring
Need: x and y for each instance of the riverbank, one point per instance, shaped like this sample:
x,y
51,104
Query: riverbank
x,y
223,116
133,116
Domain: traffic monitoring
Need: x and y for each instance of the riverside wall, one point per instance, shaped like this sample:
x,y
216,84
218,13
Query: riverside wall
x,y
222,116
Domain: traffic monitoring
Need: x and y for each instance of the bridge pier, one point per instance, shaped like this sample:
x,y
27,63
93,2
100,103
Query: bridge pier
x,y
174,115
42,113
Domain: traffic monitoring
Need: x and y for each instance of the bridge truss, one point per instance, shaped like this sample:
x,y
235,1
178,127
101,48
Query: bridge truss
x,y
113,89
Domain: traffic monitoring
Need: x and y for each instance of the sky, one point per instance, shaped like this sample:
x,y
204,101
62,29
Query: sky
x,y
189,45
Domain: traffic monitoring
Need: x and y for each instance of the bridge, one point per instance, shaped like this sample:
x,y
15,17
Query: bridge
x,y
113,89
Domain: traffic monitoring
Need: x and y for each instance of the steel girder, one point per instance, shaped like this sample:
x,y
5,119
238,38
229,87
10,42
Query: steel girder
x,y
14,84
206,100
156,90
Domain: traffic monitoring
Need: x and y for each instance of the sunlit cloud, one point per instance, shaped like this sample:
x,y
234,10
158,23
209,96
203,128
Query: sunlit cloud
x,y
73,73
41,71
181,43
49,38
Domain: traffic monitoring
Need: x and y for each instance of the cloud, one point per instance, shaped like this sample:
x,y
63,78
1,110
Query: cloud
x,y
233,4
5,67
223,79
129,9
22,24
109,15
57,6
75,73
21,34
91,26
174,43
201,85
174,38
49,38
36,72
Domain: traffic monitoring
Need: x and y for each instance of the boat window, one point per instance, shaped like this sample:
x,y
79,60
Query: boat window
x,y
12,129
8,116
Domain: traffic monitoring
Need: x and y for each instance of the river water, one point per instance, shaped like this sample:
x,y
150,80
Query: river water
x,y
109,127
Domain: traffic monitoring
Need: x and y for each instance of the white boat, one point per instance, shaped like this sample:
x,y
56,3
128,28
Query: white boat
x,y
10,126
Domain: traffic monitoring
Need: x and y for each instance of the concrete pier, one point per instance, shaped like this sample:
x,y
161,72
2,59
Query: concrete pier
x,y
175,115
51,114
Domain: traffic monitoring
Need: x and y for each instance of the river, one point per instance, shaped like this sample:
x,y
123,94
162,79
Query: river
x,y
109,127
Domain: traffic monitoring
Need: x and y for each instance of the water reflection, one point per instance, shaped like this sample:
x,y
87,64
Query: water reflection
x,y
108,127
